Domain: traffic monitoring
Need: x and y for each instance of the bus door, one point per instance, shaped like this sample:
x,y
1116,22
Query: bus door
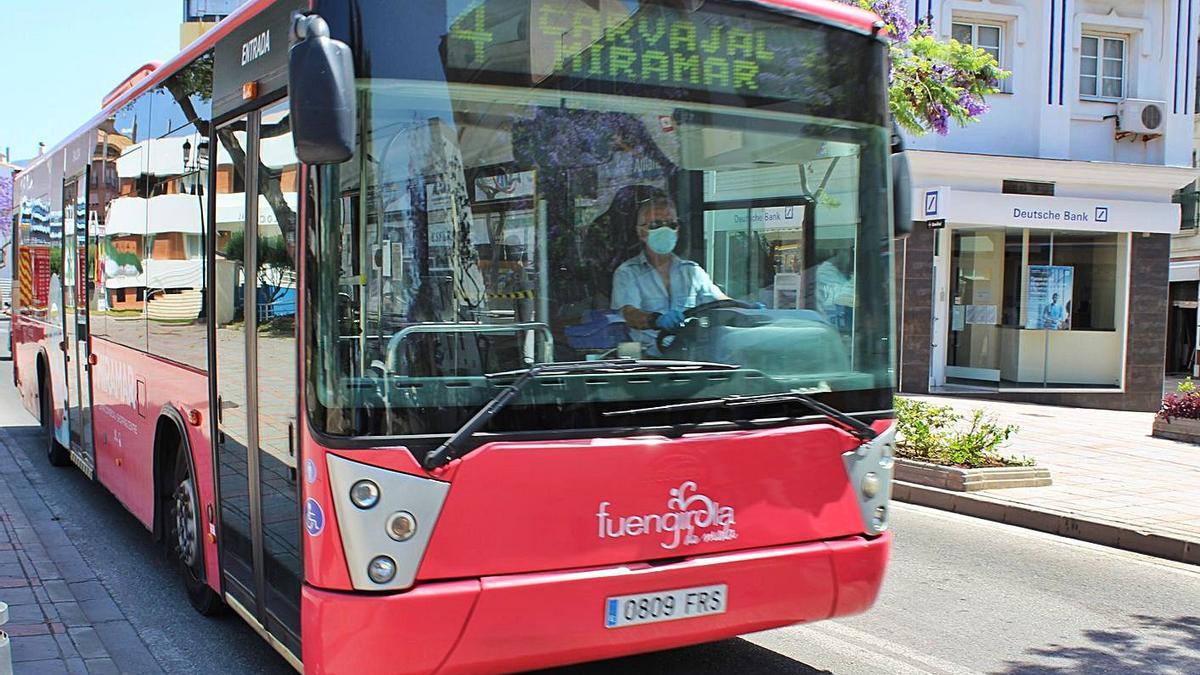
x,y
254,333
75,323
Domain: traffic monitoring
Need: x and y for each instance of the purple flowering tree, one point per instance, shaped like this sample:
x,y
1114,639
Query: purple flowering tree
x,y
933,82
6,191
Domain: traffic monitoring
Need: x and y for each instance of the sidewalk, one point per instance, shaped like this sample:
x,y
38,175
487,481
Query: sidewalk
x,y
1114,483
61,618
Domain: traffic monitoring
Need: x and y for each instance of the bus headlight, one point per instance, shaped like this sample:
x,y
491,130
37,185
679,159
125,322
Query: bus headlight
x,y
382,569
401,526
869,469
378,511
870,485
364,494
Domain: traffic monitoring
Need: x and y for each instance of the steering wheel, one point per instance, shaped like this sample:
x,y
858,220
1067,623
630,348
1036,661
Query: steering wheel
x,y
668,340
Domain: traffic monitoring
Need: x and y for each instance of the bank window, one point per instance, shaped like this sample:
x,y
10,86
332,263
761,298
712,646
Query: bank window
x,y
1037,308
1102,67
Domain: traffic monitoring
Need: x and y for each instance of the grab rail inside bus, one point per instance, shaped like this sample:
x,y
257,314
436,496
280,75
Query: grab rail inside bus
x,y
396,344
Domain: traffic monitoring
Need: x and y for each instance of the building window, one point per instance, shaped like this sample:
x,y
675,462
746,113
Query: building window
x,y
1102,67
1033,309
1027,187
986,36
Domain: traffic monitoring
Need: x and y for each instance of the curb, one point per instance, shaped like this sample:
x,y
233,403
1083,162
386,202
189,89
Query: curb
x,y
1063,524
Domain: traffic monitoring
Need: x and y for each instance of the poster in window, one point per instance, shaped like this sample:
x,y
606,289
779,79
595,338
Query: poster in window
x,y
1049,296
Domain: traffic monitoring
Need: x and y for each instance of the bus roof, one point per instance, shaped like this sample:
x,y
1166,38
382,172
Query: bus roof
x,y
146,76
827,11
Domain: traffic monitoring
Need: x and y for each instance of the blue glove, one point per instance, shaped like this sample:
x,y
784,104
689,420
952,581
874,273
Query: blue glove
x,y
760,305
670,319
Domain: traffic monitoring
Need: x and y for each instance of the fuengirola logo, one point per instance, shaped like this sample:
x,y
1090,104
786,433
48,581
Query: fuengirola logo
x,y
689,519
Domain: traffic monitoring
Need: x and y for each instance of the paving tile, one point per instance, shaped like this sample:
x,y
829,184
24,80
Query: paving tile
x,y
58,590
87,642
101,609
121,640
71,614
101,667
34,648
17,596
42,667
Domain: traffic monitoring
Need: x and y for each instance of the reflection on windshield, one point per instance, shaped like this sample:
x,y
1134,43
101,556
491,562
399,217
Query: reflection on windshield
x,y
501,230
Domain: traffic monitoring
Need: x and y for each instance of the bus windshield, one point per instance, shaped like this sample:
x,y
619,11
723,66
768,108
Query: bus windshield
x,y
588,181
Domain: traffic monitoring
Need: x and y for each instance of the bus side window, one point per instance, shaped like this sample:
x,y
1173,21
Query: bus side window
x,y
176,225
123,257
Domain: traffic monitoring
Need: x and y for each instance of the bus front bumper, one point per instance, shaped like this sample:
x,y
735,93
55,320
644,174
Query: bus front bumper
x,y
536,620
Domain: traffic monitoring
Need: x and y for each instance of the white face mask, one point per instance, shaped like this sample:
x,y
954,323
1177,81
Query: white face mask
x,y
662,240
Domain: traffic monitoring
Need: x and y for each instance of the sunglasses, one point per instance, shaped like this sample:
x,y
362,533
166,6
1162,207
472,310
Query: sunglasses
x,y
655,224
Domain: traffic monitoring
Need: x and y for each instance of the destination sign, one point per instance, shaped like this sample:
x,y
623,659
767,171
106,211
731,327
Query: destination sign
x,y
637,44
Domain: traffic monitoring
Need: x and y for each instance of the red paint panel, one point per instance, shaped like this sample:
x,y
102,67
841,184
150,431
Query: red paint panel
x,y
525,507
398,634
30,338
562,614
125,416
324,557
859,566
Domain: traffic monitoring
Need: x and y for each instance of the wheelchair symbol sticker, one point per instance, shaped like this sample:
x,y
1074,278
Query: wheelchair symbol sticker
x,y
314,517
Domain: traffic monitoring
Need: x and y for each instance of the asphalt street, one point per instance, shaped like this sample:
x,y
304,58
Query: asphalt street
x,y
961,596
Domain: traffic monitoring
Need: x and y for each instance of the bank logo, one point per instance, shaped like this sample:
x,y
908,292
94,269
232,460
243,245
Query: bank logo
x,y
931,203
690,518
1101,214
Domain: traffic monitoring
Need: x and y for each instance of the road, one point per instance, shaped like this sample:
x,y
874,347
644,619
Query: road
x,y
961,596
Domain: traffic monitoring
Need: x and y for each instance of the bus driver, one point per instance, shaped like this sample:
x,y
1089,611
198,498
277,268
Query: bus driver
x,y
653,288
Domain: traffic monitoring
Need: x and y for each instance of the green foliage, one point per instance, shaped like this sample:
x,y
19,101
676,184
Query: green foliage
x,y
934,82
1186,386
938,434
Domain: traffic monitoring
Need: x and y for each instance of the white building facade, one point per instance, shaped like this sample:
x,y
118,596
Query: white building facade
x,y
1038,268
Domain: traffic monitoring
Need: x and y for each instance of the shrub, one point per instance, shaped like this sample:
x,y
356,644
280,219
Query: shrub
x,y
938,434
1185,405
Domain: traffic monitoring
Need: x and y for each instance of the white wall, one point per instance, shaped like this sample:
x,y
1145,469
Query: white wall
x,y
1032,122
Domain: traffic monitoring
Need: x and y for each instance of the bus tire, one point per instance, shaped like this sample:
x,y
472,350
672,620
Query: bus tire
x,y
55,452
184,537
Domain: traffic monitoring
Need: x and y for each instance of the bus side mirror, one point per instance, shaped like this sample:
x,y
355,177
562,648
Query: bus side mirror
x,y
321,91
901,186
901,196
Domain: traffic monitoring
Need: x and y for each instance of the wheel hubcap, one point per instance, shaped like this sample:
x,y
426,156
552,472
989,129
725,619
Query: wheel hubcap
x,y
185,523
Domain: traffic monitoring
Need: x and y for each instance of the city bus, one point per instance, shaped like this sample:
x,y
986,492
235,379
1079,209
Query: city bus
x,y
483,335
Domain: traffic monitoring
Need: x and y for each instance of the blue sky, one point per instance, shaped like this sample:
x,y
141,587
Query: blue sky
x,y
60,57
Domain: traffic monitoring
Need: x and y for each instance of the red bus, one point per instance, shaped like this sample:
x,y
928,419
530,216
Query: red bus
x,y
476,335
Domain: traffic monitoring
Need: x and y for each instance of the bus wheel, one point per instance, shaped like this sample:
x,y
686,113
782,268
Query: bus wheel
x,y
185,538
55,452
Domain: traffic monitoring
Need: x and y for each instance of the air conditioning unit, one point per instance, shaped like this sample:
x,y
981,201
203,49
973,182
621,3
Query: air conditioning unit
x,y
1138,116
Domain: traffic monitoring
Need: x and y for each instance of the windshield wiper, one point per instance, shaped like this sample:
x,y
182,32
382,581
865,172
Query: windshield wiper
x,y
855,426
452,448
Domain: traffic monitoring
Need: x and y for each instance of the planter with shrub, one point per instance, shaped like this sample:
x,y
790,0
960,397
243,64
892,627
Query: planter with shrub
x,y
1178,417
942,448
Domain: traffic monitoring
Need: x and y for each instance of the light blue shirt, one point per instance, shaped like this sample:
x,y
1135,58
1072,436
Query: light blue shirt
x,y
637,283
1053,315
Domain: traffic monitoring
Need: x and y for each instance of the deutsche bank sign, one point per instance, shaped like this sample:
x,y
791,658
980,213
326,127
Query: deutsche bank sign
x,y
963,207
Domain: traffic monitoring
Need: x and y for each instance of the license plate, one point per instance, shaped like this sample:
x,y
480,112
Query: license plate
x,y
682,603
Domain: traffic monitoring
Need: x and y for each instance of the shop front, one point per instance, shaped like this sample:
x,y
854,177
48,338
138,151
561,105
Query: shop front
x,y
1029,295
